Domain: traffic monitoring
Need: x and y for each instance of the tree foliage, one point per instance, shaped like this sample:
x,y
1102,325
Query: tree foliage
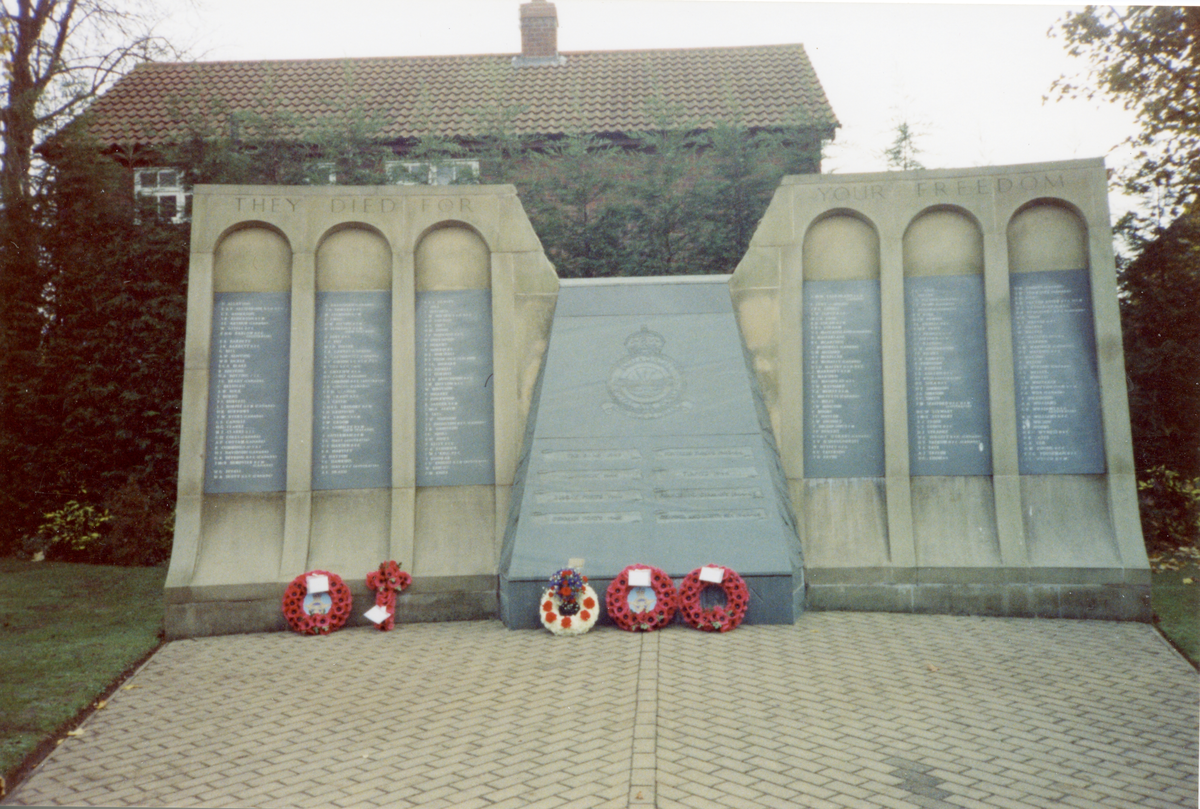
x,y
901,155
1160,294
1146,58
98,411
58,55
682,201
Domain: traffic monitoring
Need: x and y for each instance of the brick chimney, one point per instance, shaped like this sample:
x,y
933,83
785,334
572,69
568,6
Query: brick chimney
x,y
539,34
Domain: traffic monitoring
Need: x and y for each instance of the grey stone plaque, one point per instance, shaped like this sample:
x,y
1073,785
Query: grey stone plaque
x,y
1059,429
596,505
647,446
949,428
248,393
843,380
352,408
455,443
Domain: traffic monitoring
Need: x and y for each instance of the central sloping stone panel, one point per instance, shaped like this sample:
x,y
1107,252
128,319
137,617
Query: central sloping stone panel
x,y
648,443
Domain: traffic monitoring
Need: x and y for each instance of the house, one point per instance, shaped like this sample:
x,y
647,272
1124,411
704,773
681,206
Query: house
x,y
536,97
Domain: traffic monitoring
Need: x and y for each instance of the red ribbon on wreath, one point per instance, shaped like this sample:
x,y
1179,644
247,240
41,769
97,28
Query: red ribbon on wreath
x,y
717,619
616,601
318,615
386,582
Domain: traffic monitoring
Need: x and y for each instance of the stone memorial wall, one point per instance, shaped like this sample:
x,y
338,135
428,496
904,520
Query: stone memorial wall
x,y
910,395
359,363
963,327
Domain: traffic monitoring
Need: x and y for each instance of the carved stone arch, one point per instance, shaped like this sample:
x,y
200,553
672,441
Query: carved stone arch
x,y
1047,234
452,255
943,240
354,256
252,257
841,245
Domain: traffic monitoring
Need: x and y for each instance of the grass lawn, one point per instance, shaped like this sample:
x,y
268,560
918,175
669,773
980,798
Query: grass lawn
x,y
1175,596
67,631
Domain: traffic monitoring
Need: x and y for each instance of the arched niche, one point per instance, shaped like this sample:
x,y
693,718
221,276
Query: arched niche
x,y
453,257
1047,235
843,360
1059,426
943,241
840,246
252,258
455,442
248,376
354,258
352,361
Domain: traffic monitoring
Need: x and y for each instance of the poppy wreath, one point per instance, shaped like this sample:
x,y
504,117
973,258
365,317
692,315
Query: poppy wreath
x,y
717,619
616,601
316,622
387,582
569,605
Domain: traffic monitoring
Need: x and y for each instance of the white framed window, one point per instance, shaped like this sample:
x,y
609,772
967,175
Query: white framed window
x,y
165,188
444,172
322,174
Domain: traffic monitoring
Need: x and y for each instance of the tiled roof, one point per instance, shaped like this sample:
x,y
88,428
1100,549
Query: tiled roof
x,y
604,92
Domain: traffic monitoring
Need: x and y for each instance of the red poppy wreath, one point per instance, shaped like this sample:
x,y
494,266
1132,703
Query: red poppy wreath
x,y
638,607
720,618
316,603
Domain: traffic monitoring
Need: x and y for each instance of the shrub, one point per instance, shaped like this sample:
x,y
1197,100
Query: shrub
x,y
142,527
72,531
1170,507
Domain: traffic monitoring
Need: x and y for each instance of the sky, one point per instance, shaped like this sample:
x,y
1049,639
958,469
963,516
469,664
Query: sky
x,y
969,79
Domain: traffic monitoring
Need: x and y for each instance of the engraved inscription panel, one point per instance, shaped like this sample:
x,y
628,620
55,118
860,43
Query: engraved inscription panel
x,y
949,428
1059,429
248,393
352,413
843,380
455,434
568,488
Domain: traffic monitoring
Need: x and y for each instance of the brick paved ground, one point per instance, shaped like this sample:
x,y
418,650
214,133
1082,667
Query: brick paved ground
x,y
839,710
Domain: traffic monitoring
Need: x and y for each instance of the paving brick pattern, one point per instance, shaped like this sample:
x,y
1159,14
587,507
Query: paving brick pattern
x,y
839,710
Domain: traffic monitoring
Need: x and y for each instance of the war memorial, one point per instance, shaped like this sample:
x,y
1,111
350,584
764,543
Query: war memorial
x,y
909,396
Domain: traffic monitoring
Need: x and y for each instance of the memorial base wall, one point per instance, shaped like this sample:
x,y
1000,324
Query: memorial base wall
x,y
231,609
1094,594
